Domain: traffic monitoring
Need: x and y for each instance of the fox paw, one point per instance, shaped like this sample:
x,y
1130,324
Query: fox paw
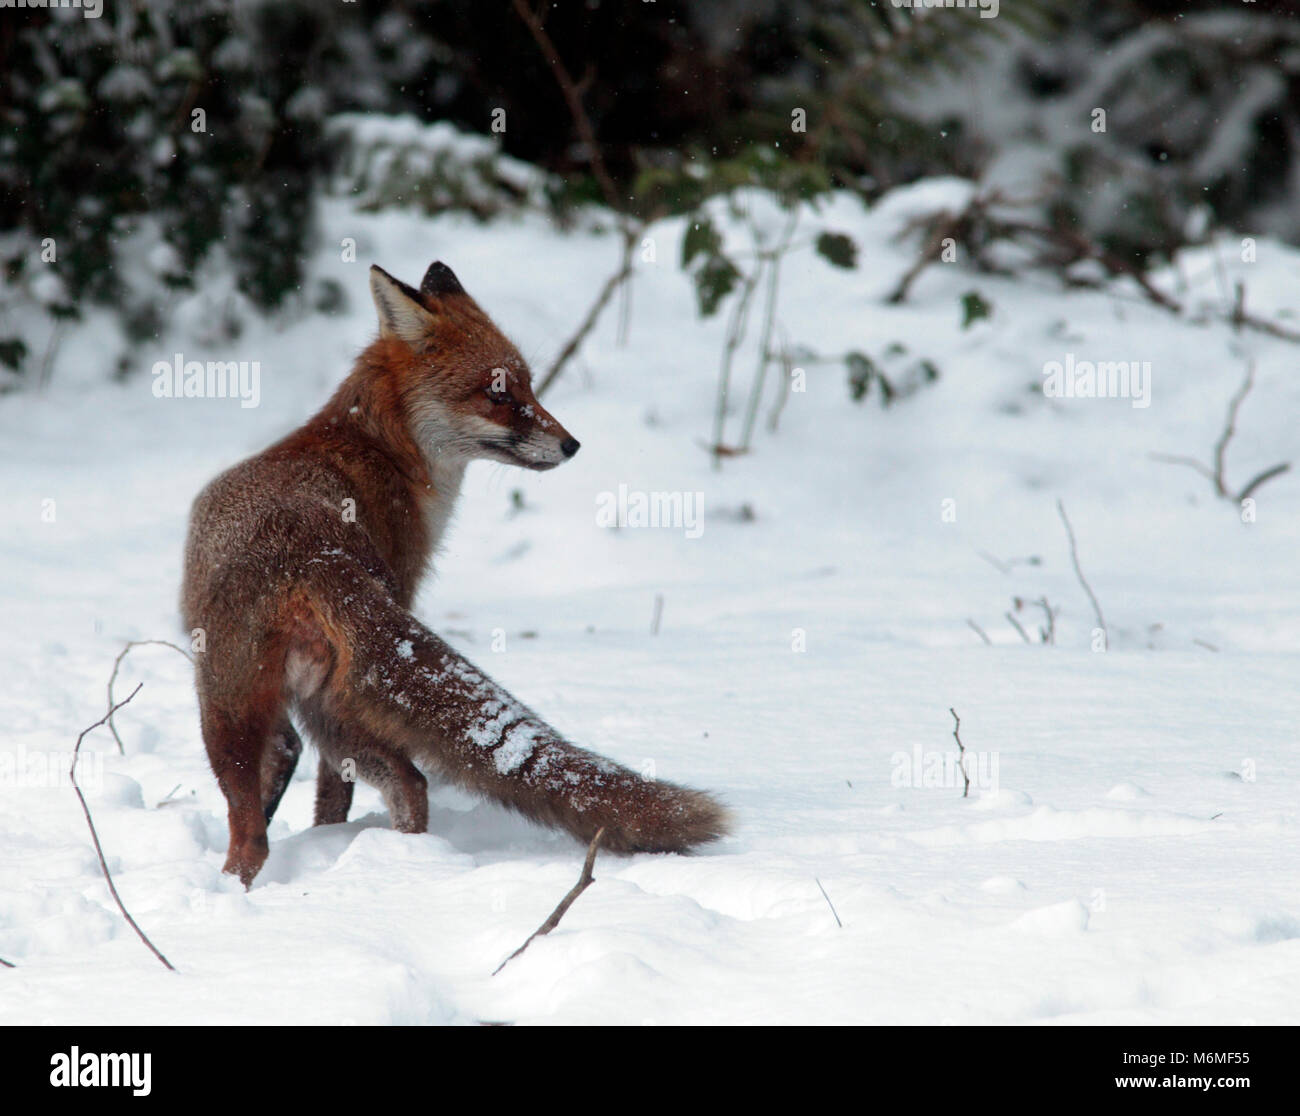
x,y
246,860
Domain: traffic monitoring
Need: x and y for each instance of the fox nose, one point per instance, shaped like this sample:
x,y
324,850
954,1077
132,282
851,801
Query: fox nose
x,y
569,446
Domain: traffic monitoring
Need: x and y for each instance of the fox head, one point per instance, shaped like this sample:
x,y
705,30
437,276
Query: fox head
x,y
467,390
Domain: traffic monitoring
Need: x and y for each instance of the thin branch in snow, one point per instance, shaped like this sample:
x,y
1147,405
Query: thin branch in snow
x,y
117,664
1266,475
584,882
979,631
7,964
996,563
1239,319
1017,625
1078,570
829,904
612,284
1230,428
94,836
1216,475
1049,632
961,750
1190,462
658,614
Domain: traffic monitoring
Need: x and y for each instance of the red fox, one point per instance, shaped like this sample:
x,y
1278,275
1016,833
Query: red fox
x,y
300,568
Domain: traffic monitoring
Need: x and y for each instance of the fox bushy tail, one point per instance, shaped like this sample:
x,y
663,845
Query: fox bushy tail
x,y
409,687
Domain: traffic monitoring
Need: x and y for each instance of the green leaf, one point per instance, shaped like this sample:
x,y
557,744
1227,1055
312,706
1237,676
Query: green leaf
x,y
973,308
713,282
13,351
838,250
862,370
701,236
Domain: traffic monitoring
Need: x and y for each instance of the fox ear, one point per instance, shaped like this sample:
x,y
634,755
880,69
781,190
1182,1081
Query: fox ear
x,y
439,280
400,313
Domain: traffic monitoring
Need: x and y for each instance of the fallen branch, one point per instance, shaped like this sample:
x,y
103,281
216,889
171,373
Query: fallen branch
x,y
961,750
7,964
829,903
94,836
979,631
117,663
1078,570
584,882
1217,475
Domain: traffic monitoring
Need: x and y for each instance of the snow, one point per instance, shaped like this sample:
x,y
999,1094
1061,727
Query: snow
x,y
1130,858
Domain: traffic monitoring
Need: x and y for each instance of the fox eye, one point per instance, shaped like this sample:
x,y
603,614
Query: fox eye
x,y
497,396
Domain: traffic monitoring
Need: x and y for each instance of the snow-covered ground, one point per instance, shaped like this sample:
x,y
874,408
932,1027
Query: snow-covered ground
x,y
1132,858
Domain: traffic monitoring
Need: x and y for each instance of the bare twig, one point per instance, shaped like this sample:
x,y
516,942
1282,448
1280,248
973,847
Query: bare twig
x,y
735,333
1017,625
829,904
996,563
1217,475
787,375
979,631
573,98
594,312
584,881
945,225
1230,428
1049,632
961,750
1010,563
99,849
7,964
976,227
765,351
1262,325
1078,570
117,663
1266,475
572,92
1239,319
47,362
1190,462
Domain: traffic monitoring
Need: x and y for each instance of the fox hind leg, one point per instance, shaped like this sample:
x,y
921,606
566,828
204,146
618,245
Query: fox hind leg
x,y
405,790
348,752
237,743
333,794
